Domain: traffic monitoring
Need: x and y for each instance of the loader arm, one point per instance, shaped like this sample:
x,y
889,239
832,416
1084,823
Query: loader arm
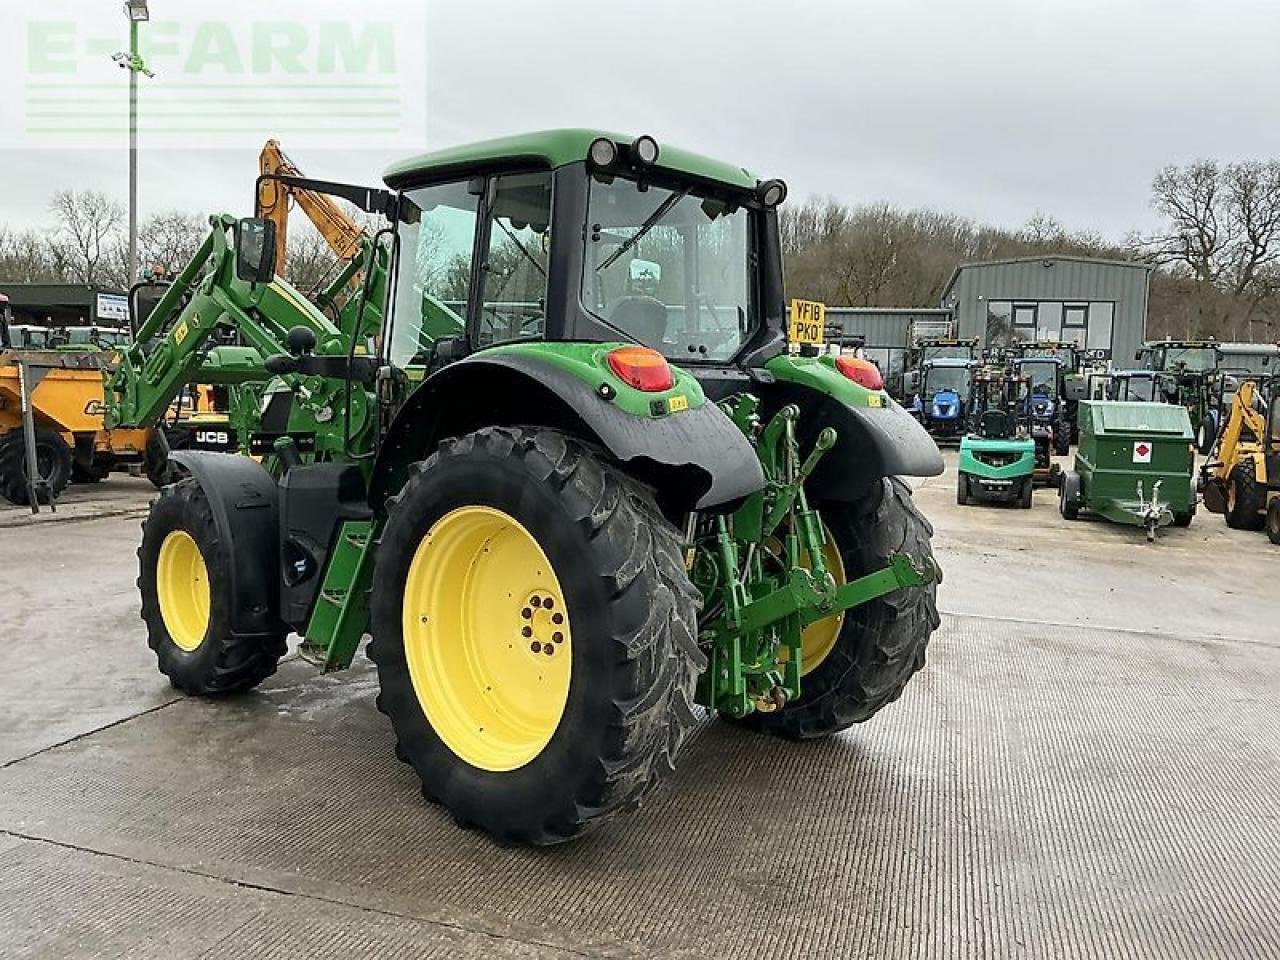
x,y
172,349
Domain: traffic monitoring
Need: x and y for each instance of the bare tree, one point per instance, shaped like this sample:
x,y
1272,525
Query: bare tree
x,y
88,228
167,241
1222,231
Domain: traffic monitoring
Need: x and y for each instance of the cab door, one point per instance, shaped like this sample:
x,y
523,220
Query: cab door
x,y
1272,447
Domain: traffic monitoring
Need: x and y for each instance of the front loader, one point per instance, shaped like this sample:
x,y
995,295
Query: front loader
x,y
578,484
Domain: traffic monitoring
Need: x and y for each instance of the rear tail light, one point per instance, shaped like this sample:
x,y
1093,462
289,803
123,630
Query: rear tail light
x,y
642,368
862,372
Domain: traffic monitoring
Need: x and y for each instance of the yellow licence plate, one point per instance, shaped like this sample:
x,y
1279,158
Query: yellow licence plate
x,y
808,319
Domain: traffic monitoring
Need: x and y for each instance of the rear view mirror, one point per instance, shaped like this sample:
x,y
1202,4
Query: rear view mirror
x,y
256,250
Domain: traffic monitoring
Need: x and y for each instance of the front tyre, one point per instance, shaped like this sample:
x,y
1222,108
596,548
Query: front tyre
x,y
880,645
1246,498
185,581
534,633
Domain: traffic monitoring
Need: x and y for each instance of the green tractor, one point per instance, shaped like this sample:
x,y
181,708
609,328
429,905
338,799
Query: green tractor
x,y
574,483
1189,377
997,454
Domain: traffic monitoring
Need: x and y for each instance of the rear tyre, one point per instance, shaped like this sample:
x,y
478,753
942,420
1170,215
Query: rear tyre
x,y
53,463
962,489
1245,498
1273,521
528,727
1062,439
1206,433
881,644
185,581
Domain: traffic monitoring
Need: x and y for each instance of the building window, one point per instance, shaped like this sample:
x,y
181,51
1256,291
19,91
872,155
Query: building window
x,y
1086,325
1049,320
999,322
1101,315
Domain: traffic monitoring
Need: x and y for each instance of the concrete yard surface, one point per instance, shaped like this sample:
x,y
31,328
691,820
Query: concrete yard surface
x,y
1088,766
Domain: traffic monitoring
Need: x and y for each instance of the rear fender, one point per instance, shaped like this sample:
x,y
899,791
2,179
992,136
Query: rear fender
x,y
692,458
245,504
876,438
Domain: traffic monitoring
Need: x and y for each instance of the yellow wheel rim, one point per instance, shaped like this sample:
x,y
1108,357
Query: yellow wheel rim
x,y
486,638
182,587
819,638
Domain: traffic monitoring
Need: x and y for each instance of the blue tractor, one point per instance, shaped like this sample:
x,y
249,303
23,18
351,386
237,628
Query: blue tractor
x,y
1046,401
943,399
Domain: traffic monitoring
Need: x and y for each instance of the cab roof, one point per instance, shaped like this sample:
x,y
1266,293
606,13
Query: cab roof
x,y
553,148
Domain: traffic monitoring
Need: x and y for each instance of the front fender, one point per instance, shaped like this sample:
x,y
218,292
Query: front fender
x,y
876,437
245,504
694,457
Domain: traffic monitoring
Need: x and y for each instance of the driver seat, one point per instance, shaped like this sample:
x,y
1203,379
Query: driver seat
x,y
643,317
995,425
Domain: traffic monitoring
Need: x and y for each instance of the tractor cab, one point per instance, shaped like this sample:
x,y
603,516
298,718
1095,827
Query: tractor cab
x,y
1188,377
942,402
1190,356
1141,386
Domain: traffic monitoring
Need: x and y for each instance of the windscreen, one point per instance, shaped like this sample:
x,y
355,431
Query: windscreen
x,y
955,379
669,268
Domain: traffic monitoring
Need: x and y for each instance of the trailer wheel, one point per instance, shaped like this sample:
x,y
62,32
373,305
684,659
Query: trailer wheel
x,y
53,463
1069,496
535,634
962,489
185,581
881,644
1245,498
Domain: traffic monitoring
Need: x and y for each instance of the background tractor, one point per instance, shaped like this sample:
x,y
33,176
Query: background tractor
x,y
1240,478
1189,376
573,481
1046,400
942,401
997,454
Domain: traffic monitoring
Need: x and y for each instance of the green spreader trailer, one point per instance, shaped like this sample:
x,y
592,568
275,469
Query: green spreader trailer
x,y
1134,465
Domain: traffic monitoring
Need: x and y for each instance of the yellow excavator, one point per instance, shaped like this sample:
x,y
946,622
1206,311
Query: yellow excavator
x,y
1241,477
275,197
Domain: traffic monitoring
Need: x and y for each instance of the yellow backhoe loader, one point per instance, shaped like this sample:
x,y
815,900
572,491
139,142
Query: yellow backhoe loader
x,y
1241,478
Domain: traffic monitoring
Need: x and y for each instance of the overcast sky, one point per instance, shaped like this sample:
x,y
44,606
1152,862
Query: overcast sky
x,y
995,109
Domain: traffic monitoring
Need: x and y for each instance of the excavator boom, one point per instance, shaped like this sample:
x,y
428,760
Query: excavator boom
x,y
343,234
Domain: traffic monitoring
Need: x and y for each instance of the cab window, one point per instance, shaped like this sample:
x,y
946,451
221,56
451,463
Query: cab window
x,y
513,302
437,242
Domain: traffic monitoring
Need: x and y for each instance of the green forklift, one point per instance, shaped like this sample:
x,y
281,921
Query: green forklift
x,y
560,457
997,454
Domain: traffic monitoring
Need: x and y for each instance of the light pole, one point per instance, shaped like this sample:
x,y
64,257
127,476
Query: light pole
x,y
137,12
